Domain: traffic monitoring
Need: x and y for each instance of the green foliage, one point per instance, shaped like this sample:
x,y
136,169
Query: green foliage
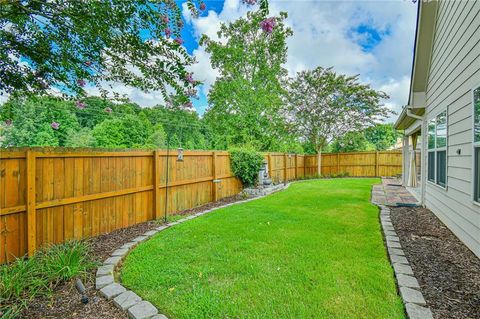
x,y
382,136
245,100
322,106
24,279
158,139
81,138
352,142
246,163
68,42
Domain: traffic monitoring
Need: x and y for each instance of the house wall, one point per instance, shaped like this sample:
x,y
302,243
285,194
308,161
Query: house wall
x,y
454,72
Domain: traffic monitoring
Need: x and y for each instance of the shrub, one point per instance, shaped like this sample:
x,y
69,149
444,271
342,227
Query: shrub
x,y
24,279
246,163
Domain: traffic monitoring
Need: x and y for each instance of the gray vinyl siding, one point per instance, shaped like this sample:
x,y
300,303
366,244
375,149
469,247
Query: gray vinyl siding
x,y
454,72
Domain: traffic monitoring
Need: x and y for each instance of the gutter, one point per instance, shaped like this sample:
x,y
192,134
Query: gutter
x,y
413,116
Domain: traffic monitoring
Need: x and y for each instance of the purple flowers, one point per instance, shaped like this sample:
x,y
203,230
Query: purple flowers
x,y
55,125
168,32
8,122
188,105
165,19
250,2
108,110
268,24
88,63
180,23
80,105
179,41
191,92
203,6
189,78
81,82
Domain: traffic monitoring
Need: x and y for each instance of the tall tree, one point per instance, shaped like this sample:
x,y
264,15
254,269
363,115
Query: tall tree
x,y
382,135
67,44
323,105
246,98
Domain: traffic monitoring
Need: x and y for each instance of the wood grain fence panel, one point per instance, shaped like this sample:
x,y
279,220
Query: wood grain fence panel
x,y
78,194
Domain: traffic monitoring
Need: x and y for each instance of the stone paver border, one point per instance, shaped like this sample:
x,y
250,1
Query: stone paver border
x,y
128,300
415,305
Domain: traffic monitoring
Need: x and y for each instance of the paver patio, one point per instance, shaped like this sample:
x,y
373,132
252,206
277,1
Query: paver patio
x,y
391,193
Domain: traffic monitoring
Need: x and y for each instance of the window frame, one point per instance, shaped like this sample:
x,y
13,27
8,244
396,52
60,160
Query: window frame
x,y
435,150
475,146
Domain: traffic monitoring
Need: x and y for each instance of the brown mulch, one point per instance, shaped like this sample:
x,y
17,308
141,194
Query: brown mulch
x,y
65,301
447,271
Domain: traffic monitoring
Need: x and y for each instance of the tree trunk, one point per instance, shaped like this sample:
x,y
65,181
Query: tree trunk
x,y
319,162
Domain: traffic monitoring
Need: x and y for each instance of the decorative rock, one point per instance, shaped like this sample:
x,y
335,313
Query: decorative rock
x,y
112,260
390,233
387,224
191,217
142,310
112,290
105,270
393,244
182,220
388,228
139,239
418,312
412,295
402,269
407,281
173,224
161,227
159,317
395,251
126,300
398,259
103,281
120,252
392,238
128,245
150,233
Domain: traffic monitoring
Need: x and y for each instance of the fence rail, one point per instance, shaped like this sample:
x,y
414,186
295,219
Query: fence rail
x,y
49,196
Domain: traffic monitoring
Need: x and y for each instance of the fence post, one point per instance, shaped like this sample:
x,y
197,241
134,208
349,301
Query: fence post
x,y
214,176
156,185
31,202
338,163
285,167
270,166
376,164
296,166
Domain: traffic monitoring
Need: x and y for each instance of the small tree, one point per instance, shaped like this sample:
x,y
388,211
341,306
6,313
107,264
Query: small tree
x,y
323,105
245,163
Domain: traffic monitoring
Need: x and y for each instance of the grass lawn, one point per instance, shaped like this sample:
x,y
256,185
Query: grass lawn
x,y
314,250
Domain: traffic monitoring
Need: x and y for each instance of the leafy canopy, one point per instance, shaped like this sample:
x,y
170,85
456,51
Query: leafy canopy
x,y
323,106
245,100
68,44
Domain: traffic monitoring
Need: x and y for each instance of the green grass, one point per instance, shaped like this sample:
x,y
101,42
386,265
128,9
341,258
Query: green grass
x,y
312,251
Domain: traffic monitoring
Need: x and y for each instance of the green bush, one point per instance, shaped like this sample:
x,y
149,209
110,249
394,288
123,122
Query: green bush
x,y
246,163
24,279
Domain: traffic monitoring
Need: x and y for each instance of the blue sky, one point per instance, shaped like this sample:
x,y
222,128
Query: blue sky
x,y
372,38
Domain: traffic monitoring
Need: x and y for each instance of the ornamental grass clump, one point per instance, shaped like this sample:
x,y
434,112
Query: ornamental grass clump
x,y
27,278
245,163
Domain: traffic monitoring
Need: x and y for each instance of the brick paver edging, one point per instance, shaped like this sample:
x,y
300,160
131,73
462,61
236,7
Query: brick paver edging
x,y
128,300
408,286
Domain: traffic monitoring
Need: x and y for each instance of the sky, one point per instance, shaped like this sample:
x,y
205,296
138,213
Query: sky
x,y
373,38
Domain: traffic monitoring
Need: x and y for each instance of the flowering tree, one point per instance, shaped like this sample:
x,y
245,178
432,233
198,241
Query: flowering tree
x,y
323,105
246,98
69,44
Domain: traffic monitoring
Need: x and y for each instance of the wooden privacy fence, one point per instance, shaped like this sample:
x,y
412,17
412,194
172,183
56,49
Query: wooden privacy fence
x,y
49,196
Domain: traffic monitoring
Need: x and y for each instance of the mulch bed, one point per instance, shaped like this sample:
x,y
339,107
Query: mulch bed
x,y
65,301
447,271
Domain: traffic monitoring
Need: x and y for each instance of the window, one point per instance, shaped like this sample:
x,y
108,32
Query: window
x,y
476,143
437,149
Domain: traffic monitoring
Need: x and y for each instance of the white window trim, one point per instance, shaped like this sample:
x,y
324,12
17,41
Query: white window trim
x,y
474,144
435,150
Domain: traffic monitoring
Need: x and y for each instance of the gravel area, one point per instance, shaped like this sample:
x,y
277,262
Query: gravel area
x,y
65,301
447,271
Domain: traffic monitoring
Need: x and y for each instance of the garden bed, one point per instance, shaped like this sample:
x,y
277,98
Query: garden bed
x,y
65,301
447,271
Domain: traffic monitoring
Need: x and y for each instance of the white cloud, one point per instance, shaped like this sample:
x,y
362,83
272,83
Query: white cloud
x,y
323,37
